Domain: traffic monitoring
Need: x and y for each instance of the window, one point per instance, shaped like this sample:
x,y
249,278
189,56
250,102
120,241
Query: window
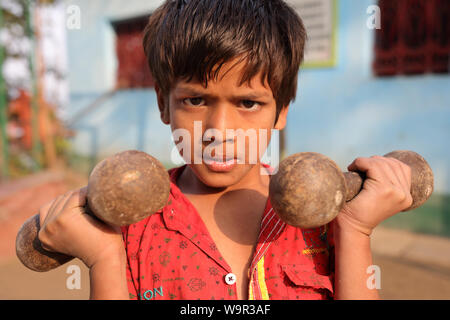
x,y
133,70
414,37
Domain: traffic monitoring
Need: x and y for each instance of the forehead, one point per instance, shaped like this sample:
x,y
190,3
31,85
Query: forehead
x,y
229,75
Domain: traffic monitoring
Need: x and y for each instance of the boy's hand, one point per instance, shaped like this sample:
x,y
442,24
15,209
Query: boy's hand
x,y
385,192
68,229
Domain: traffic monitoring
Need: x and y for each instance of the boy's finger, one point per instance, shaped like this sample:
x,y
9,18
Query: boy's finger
x,y
357,164
391,171
44,210
76,199
45,247
369,166
395,165
59,204
53,209
404,175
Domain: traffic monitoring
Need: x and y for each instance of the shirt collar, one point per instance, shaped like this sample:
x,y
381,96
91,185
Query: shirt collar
x,y
195,230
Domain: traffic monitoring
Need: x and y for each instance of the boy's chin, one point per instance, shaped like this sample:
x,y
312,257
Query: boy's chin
x,y
220,180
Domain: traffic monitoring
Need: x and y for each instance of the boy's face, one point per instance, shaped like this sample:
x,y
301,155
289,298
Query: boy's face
x,y
204,116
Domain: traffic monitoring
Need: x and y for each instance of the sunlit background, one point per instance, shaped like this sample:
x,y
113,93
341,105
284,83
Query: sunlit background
x,y
75,88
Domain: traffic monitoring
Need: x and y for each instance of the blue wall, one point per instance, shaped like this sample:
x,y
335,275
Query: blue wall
x,y
128,120
343,112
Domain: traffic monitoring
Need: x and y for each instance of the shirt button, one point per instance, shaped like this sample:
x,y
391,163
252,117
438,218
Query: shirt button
x,y
230,279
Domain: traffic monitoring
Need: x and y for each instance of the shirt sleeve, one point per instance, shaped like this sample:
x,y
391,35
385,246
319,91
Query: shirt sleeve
x,y
331,251
130,283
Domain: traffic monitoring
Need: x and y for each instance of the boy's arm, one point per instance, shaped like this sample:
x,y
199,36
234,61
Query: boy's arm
x,y
386,191
68,229
108,278
352,258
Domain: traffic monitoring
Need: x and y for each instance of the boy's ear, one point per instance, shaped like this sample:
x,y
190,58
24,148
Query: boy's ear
x,y
163,105
282,118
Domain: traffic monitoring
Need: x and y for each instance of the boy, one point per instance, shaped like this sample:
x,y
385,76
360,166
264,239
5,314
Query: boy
x,y
227,64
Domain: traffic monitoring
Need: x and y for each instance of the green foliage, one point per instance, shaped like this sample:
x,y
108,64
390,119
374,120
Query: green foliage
x,y
431,218
22,164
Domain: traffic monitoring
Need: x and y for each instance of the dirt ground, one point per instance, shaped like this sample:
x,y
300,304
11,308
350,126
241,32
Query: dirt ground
x,y
400,281
403,276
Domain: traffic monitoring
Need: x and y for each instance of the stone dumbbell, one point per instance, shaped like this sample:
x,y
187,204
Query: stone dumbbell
x,y
309,189
122,190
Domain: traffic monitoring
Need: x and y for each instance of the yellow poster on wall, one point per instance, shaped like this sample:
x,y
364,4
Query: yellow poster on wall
x,y
320,20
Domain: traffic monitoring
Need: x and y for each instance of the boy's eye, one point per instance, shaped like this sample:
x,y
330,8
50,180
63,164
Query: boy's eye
x,y
249,104
195,102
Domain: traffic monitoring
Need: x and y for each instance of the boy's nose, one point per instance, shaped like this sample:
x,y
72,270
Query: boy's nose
x,y
219,118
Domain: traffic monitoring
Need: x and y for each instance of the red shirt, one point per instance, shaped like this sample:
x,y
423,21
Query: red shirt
x,y
171,255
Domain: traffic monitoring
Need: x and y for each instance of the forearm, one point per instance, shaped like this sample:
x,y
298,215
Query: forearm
x,y
108,279
353,257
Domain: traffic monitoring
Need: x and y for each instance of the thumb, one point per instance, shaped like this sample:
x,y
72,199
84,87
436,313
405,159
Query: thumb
x,y
359,164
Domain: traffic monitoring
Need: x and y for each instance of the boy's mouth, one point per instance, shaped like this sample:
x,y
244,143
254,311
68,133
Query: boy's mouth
x,y
219,158
220,163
